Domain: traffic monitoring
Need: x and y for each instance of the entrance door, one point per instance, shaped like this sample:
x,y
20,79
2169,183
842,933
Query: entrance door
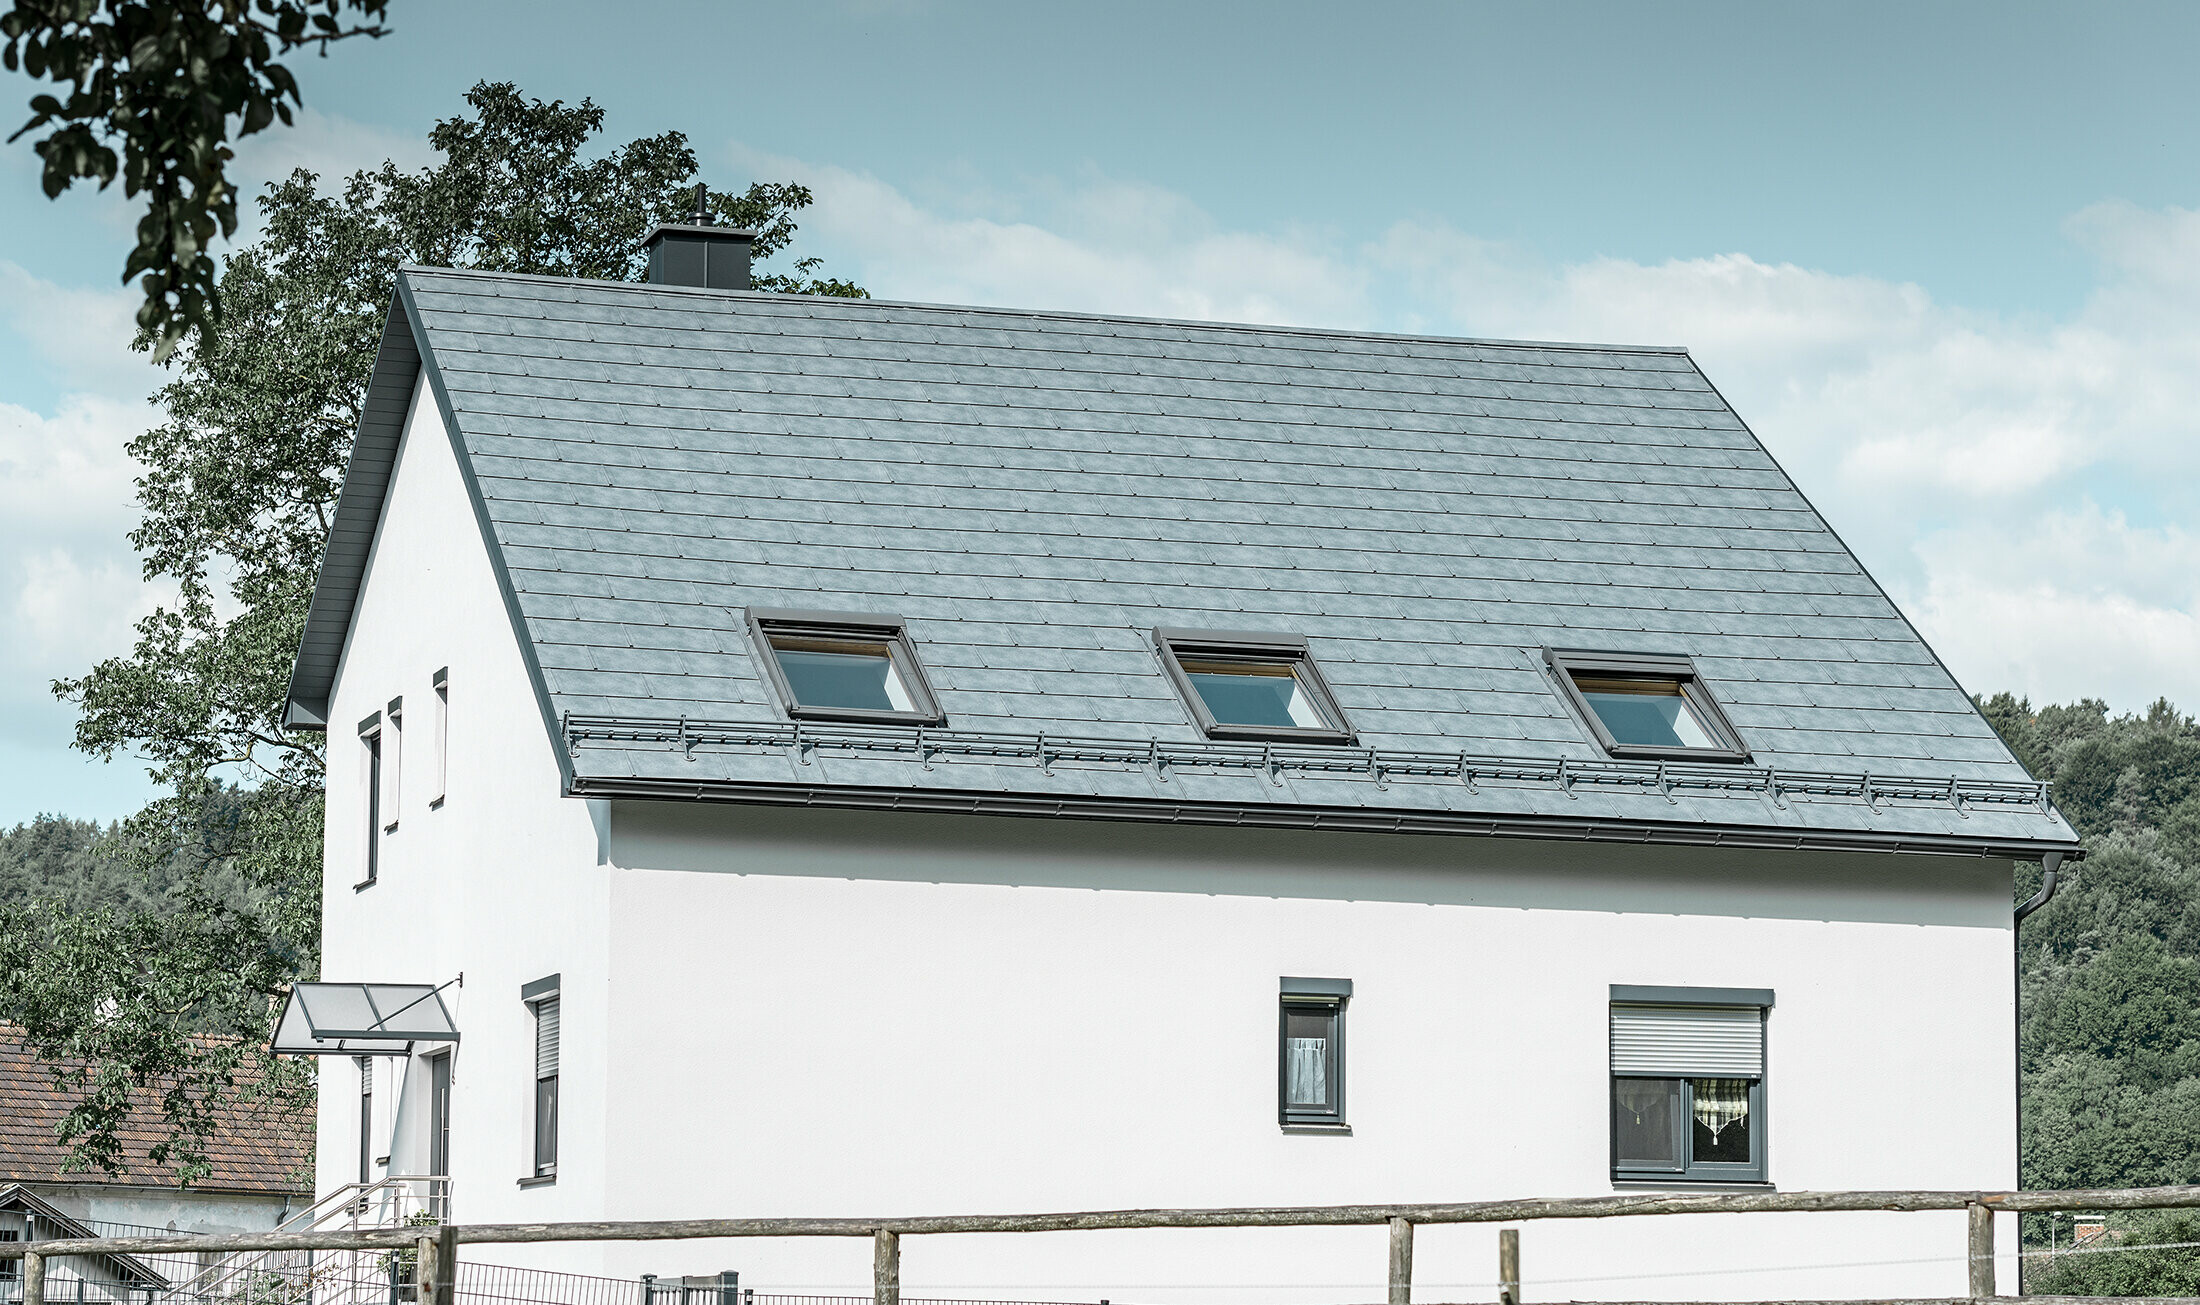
x,y
439,1129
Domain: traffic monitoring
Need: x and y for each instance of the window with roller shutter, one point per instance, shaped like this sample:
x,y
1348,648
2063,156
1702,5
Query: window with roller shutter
x,y
1688,1084
541,997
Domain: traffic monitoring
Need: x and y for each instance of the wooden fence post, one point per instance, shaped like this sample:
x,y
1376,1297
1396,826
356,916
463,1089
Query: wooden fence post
x,y
446,1268
426,1271
886,1268
1979,1249
34,1278
1401,1262
1508,1266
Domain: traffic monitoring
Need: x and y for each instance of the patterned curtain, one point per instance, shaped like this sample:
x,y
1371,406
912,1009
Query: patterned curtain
x,y
1307,1082
1721,1103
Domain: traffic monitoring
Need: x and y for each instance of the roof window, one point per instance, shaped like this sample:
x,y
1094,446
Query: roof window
x,y
842,666
1252,686
1652,706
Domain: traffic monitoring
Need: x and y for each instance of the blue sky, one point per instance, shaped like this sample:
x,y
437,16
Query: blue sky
x,y
1944,258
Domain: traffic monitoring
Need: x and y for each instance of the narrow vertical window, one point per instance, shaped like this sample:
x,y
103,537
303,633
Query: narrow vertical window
x,y
393,756
1310,1054
1688,1084
541,997
370,792
366,1118
442,737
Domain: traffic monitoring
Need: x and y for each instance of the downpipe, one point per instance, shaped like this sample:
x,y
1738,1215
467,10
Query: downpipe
x,y
2050,873
2050,870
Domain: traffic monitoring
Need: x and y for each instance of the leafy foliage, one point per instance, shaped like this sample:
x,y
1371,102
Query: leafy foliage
x,y
242,476
167,81
2171,1270
2109,1046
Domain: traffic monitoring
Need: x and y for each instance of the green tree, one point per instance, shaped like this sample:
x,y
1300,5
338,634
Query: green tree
x,y
2149,1255
2109,983
243,473
169,83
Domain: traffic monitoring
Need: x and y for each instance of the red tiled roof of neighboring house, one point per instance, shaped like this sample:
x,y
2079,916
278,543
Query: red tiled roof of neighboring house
x,y
256,1149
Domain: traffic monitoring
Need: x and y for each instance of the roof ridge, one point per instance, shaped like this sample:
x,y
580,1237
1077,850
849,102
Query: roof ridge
x,y
1060,314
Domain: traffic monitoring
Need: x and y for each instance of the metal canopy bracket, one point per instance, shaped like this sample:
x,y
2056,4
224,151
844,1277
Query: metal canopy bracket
x,y
362,1019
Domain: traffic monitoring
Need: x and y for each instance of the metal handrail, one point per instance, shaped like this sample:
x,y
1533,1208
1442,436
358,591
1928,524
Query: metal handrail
x,y
349,1202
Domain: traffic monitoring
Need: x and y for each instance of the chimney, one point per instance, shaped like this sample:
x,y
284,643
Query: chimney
x,y
698,254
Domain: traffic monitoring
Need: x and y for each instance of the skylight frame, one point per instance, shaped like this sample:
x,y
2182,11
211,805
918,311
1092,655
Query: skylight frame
x,y
1565,663
1175,644
893,631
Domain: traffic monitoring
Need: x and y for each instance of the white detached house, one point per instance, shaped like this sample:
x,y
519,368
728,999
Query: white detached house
x,y
871,758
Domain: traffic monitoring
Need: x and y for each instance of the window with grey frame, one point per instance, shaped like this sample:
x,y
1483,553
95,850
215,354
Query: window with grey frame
x,y
1256,686
1688,1084
440,684
1650,706
542,1002
843,666
1310,1053
366,1118
370,788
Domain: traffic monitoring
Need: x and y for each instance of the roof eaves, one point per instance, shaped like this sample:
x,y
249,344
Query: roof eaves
x,y
405,357
353,524
1284,816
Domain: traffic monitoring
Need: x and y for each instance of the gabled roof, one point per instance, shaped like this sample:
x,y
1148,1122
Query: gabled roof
x,y
1037,492
252,1150
52,1224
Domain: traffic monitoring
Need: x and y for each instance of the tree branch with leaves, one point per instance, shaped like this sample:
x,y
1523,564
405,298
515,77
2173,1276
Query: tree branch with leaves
x,y
169,84
242,474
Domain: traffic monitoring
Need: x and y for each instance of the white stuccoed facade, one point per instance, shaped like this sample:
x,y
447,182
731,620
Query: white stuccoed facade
x,y
785,1012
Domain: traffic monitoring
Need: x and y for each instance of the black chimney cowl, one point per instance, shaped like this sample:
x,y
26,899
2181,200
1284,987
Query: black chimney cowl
x,y
716,258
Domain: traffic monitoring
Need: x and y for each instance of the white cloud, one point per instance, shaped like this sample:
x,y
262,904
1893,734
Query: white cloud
x,y
68,612
80,336
2076,602
68,580
68,475
1094,245
1945,444
330,146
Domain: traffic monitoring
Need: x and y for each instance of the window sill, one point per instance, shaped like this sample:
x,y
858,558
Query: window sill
x,y
1693,1185
539,1180
1327,1130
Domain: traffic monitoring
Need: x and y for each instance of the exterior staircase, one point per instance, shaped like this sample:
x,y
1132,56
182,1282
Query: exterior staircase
x,y
325,1277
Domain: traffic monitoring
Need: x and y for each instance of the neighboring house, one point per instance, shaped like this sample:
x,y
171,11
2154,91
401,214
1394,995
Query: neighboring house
x,y
262,1171
27,1217
871,758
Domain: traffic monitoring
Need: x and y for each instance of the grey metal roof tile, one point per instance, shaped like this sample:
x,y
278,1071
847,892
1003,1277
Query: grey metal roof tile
x,y
1034,492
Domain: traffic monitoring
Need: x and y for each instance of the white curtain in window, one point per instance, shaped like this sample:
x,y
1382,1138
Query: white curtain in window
x,y
1307,1083
1639,1097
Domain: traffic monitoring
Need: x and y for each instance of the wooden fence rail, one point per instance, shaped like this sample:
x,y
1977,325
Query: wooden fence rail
x,y
437,1247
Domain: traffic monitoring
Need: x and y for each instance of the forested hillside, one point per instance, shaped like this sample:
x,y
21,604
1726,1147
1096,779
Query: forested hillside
x,y
2110,975
54,856
77,863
